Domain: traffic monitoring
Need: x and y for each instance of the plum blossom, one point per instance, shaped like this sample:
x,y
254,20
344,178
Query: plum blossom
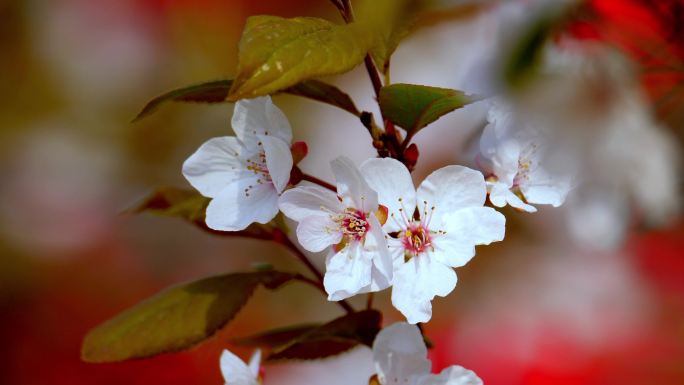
x,y
244,174
236,372
348,219
432,230
513,156
400,357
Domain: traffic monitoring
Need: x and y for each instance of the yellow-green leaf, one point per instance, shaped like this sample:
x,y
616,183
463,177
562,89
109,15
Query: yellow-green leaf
x,y
276,53
177,318
413,107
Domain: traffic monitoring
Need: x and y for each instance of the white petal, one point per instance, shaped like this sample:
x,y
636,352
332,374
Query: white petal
x,y
278,160
453,375
348,272
316,232
234,209
305,200
466,228
449,189
259,116
500,195
352,187
214,165
376,244
392,181
255,363
400,355
234,370
545,191
416,283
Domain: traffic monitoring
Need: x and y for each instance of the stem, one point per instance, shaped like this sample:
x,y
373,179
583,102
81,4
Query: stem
x,y
369,301
373,74
319,277
320,182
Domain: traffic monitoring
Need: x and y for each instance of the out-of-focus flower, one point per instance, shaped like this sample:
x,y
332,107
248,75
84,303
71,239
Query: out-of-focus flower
x,y
431,230
360,261
401,358
236,372
244,174
513,156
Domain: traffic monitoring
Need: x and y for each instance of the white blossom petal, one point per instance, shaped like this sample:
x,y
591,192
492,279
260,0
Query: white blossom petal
x,y
400,354
451,188
392,181
453,375
466,228
278,160
375,242
305,200
542,188
259,116
348,272
235,371
234,209
316,232
214,165
352,187
255,363
416,283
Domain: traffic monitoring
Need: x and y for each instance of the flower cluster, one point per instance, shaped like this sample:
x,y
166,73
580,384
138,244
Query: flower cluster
x,y
399,356
379,230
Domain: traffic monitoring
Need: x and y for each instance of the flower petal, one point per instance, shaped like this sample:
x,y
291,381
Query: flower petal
x,y
451,188
543,189
453,375
348,272
305,200
255,363
215,165
316,232
466,228
235,371
400,354
352,187
392,181
500,195
259,116
278,160
416,283
376,244
234,208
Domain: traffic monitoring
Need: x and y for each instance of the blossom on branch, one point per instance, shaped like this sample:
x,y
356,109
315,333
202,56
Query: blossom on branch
x,y
236,372
400,357
348,220
432,230
244,174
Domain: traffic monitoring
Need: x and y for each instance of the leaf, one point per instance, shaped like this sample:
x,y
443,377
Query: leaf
x,y
176,318
276,337
210,92
413,107
217,92
390,21
277,53
191,206
332,338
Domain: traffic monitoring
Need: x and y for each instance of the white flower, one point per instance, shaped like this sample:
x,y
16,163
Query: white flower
x,y
401,358
244,174
236,372
360,261
432,230
514,156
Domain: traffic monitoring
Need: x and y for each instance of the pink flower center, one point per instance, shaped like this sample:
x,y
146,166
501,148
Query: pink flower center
x,y
353,224
416,239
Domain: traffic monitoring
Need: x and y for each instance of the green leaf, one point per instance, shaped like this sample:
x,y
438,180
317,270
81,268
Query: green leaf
x,y
177,318
277,53
191,206
413,107
217,92
390,21
332,338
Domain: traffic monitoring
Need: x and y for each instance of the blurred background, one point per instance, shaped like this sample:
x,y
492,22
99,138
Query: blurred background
x,y
542,307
